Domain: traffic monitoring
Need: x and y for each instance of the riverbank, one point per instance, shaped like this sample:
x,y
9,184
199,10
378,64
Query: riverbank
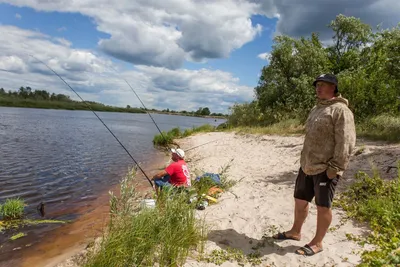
x,y
261,202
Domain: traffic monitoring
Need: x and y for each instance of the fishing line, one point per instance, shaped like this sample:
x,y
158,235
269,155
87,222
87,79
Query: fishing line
x,y
166,141
202,144
97,117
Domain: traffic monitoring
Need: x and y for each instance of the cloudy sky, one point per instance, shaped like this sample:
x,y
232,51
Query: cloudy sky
x,y
177,54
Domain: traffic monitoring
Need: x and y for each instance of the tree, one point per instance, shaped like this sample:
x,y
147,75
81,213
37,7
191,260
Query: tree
x,y
351,34
367,65
284,84
205,111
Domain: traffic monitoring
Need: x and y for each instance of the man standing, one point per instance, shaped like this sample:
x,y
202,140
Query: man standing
x,y
329,141
176,174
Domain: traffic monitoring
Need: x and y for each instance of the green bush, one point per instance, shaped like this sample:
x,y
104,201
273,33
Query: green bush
x,y
376,201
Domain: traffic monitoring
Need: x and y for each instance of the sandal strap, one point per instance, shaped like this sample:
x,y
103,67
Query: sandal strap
x,y
307,249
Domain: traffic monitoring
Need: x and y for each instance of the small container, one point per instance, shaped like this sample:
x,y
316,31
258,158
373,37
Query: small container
x,y
148,203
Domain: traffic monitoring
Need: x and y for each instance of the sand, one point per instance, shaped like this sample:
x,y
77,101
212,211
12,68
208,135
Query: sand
x,y
262,201
265,168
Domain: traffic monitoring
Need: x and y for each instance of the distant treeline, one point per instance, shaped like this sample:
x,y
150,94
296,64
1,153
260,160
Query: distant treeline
x,y
201,112
28,98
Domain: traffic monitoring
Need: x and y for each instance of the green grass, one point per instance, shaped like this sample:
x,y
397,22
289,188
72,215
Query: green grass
x,y
12,209
162,236
382,127
376,202
379,128
168,137
219,256
17,236
287,127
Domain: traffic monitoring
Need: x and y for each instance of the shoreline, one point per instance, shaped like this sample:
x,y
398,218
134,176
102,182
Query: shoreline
x,y
261,202
69,240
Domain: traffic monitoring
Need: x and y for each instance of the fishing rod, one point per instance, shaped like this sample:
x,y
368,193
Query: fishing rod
x,y
166,141
137,164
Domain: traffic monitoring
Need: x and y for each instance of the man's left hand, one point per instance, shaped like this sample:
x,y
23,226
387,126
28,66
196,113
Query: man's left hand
x,y
331,173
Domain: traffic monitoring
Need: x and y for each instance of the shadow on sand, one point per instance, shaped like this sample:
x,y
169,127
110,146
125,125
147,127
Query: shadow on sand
x,y
229,238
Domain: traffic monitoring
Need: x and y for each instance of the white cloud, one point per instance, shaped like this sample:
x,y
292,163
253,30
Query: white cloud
x,y
264,56
62,29
63,41
18,16
94,78
164,33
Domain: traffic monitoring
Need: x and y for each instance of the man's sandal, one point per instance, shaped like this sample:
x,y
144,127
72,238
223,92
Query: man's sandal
x,y
283,236
307,251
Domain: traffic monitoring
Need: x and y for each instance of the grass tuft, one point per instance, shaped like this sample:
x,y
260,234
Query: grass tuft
x,y
168,137
17,236
12,209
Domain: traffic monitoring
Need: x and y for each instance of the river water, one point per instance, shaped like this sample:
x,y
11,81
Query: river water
x,y
67,158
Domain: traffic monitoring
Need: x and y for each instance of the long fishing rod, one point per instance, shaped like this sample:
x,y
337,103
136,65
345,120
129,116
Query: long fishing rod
x,y
137,164
166,141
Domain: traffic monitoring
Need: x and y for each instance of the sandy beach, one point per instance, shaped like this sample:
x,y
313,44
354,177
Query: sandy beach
x,y
261,202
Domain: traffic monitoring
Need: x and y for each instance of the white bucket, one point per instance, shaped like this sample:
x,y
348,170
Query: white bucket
x,y
148,203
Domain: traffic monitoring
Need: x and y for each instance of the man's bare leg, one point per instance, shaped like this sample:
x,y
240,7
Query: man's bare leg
x,y
324,219
300,215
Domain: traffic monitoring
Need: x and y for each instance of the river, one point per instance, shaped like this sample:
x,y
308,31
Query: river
x,y
67,159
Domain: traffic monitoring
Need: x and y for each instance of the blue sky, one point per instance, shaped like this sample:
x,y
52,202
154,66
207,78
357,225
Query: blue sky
x,y
81,31
196,53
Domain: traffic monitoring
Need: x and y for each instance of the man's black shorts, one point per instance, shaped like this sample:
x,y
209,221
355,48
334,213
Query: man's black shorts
x,y
319,185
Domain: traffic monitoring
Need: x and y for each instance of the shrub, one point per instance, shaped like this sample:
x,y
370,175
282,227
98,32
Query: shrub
x,y
376,201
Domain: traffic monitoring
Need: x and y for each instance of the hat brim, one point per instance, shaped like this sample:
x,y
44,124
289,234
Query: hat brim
x,y
323,80
173,150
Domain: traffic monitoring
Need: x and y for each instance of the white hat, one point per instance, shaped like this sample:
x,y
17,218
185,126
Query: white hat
x,y
179,152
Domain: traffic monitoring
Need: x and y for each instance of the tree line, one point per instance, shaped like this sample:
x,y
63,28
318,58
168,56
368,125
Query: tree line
x,y
199,112
366,62
28,93
26,97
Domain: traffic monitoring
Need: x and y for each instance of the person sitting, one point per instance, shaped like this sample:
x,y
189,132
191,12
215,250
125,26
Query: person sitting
x,y
174,175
